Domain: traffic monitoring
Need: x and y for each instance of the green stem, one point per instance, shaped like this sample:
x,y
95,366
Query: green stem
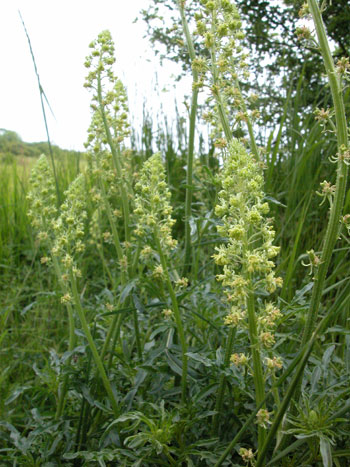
x,y
110,332
112,224
137,335
190,154
95,355
177,316
189,181
342,171
106,269
258,375
71,342
116,333
222,383
116,322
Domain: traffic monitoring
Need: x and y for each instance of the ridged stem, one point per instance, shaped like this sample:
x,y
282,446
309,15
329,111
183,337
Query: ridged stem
x,y
332,231
71,342
258,375
190,153
95,355
177,316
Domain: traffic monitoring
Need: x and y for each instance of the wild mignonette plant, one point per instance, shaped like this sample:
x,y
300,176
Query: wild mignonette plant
x,y
110,168
219,31
248,269
65,233
154,230
109,102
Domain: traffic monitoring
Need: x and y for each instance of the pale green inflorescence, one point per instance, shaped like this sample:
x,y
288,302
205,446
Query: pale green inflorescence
x,y
42,198
109,101
247,255
60,231
152,207
70,225
107,89
219,28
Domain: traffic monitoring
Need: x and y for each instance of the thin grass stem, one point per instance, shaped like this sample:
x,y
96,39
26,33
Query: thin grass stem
x,y
42,93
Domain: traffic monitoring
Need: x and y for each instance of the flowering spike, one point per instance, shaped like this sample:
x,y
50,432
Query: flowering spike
x,y
247,255
42,197
152,205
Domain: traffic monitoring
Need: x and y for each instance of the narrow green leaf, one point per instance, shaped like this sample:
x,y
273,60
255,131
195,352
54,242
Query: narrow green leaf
x,y
326,452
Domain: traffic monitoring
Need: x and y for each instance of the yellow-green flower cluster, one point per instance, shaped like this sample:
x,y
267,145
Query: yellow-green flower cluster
x,y
109,123
108,90
69,227
42,198
152,204
62,231
219,27
247,255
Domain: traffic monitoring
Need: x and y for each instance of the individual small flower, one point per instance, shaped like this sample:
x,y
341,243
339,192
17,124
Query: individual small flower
x,y
343,65
328,192
267,339
246,454
158,272
239,359
67,261
272,311
303,33
234,317
66,298
263,418
314,261
182,283
146,252
304,10
76,272
42,236
274,363
107,237
167,313
322,115
123,262
273,282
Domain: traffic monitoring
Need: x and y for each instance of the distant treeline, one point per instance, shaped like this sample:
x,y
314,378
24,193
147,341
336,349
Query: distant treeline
x,y
12,145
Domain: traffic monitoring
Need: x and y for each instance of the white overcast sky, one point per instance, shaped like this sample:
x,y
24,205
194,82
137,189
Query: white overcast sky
x,y
60,32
